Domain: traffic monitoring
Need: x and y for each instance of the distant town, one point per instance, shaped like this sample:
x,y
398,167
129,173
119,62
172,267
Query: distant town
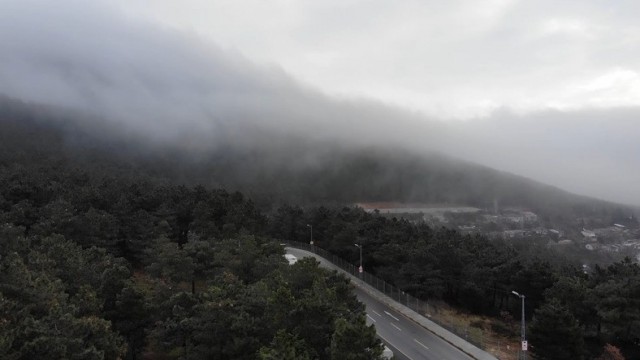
x,y
614,239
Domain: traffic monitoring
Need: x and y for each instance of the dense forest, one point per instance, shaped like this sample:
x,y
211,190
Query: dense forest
x,y
108,253
99,261
100,268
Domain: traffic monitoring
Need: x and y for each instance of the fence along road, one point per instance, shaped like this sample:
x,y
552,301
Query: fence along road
x,y
408,333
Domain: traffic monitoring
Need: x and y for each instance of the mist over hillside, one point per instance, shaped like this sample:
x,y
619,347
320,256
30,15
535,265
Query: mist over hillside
x,y
591,152
273,168
177,91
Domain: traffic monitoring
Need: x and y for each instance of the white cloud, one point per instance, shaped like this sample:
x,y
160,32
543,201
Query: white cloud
x,y
571,27
444,58
458,58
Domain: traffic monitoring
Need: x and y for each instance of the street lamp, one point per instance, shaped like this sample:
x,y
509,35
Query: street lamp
x,y
360,269
311,227
523,337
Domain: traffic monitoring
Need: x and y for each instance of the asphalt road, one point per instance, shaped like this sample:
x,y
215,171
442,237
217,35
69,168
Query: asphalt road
x,y
407,339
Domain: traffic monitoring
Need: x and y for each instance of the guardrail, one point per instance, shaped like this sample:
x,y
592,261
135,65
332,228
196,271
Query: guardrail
x,y
434,311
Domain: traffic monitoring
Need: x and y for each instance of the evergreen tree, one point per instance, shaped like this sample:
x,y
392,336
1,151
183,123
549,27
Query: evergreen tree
x,y
354,340
284,346
555,334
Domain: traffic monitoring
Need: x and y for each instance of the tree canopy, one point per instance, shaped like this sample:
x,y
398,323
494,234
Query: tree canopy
x,y
108,251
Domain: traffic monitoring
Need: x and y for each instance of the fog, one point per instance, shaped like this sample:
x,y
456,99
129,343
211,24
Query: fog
x,y
170,86
593,152
164,84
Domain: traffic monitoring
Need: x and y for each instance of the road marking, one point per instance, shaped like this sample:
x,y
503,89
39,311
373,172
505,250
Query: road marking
x,y
375,312
372,319
421,344
394,318
394,325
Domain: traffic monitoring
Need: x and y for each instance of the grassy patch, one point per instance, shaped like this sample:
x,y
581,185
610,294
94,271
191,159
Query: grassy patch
x,y
496,336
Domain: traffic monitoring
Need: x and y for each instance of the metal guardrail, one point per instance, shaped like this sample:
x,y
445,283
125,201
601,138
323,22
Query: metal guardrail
x,y
436,312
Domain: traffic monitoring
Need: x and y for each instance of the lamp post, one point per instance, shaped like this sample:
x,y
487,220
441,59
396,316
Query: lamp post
x,y
360,270
311,227
523,348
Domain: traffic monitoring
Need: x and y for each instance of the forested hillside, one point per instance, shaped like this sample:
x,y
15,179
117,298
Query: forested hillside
x,y
274,168
99,260
110,250
97,267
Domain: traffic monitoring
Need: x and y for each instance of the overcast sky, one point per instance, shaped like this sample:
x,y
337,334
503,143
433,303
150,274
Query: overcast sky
x,y
454,58
545,89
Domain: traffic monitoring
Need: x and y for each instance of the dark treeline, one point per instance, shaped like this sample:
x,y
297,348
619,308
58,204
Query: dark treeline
x,y
141,267
103,268
105,255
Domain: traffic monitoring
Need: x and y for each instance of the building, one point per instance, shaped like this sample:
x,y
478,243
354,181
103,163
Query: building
x,y
589,235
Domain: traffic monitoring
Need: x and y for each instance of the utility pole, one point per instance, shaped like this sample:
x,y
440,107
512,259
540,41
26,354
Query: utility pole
x,y
522,353
311,227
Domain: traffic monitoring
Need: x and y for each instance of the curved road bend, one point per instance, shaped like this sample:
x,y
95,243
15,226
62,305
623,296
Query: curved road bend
x,y
407,339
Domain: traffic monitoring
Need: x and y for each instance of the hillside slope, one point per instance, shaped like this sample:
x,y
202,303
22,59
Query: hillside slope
x,y
269,165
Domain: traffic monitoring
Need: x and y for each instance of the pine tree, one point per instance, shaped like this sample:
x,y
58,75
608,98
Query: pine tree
x,y
354,340
555,334
284,346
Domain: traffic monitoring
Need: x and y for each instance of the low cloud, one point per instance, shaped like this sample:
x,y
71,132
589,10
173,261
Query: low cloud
x,y
592,152
164,83
175,87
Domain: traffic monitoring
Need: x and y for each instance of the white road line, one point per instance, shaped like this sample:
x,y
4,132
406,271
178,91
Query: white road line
x,y
394,318
421,344
375,312
394,325
372,319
